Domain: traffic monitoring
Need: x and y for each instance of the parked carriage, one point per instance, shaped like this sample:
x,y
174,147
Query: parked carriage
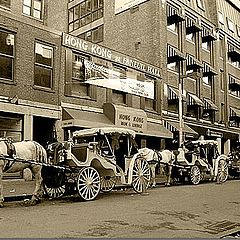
x,y
234,163
200,160
95,160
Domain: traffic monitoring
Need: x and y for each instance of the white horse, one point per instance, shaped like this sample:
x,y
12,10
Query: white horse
x,y
163,158
24,153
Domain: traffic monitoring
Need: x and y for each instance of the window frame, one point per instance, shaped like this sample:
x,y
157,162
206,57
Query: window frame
x,y
44,66
11,57
32,9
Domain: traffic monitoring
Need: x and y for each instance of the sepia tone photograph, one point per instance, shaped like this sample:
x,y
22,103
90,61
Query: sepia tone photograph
x,y
120,119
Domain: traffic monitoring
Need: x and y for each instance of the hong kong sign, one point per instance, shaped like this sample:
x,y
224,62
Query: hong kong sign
x,y
108,54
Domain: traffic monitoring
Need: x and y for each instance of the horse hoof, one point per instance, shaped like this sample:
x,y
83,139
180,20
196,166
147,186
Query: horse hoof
x,y
167,184
1,205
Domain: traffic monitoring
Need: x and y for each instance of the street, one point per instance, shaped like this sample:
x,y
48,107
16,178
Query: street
x,y
208,210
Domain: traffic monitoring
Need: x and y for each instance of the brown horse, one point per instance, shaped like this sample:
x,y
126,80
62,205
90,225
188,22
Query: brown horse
x,y
24,155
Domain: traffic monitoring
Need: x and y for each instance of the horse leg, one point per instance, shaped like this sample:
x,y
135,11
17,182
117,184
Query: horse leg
x,y
168,174
38,191
1,185
153,170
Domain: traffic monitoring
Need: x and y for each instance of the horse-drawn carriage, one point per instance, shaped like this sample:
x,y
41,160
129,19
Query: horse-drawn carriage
x,y
193,161
234,163
95,160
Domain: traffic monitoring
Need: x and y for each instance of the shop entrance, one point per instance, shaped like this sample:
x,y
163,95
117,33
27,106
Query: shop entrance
x,y
44,130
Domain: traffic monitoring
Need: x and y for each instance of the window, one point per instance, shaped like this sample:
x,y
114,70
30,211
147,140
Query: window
x,y
84,13
220,18
206,46
43,65
119,97
222,79
5,3
79,87
33,8
173,27
230,25
238,31
207,80
7,41
94,35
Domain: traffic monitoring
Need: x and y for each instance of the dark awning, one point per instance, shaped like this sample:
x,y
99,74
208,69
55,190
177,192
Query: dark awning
x,y
209,104
193,63
156,130
208,70
207,36
85,119
233,52
173,15
192,26
234,113
195,100
234,83
174,55
174,127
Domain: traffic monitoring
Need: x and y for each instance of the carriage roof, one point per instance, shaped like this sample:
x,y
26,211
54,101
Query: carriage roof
x,y
102,131
205,142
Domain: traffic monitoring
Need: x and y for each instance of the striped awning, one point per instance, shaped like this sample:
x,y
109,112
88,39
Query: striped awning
x,y
234,114
173,15
233,52
234,83
193,63
210,105
173,94
175,127
208,70
207,35
194,100
192,26
174,55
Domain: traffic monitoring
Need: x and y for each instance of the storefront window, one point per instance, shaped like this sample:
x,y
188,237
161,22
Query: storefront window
x,y
43,65
6,55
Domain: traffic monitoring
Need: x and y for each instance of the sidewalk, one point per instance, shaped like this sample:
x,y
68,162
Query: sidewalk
x,y
16,189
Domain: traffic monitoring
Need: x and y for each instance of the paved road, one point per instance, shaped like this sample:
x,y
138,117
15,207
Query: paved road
x,y
207,210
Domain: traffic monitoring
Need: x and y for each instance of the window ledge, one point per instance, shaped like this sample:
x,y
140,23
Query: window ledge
x,y
80,97
43,89
6,81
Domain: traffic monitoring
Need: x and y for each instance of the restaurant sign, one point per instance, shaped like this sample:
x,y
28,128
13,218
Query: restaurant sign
x,y
102,76
108,54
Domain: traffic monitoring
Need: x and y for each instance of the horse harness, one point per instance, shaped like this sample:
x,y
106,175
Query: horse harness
x,y
11,152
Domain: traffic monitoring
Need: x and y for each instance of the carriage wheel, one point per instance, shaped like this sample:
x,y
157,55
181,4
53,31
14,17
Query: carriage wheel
x,y
222,174
140,175
195,175
88,183
54,192
53,182
107,183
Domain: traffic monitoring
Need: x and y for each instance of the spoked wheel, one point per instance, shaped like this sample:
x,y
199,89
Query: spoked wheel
x,y
107,183
88,183
195,175
53,182
141,175
222,174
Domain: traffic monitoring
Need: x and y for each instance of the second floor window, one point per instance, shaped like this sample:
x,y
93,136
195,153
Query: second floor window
x,y
6,55
33,8
43,65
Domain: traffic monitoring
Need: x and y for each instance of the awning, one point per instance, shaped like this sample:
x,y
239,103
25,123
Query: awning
x,y
208,70
209,104
173,15
195,100
234,112
173,94
156,130
174,127
207,35
193,63
233,52
85,119
174,55
192,26
234,83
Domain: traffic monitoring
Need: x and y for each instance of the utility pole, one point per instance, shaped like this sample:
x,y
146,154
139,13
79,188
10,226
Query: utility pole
x,y
180,104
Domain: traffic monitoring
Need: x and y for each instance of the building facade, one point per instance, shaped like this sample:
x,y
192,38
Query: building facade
x,y
167,69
